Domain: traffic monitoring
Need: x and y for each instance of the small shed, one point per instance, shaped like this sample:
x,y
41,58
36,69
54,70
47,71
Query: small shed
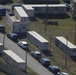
x,y
13,59
38,40
65,45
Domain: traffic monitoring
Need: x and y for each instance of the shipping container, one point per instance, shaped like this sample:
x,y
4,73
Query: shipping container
x,y
37,40
21,15
51,8
13,59
65,45
29,10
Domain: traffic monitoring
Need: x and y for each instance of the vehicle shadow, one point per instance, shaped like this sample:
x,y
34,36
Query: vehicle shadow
x,y
47,53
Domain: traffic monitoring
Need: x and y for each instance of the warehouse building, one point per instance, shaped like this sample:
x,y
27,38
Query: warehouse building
x,y
51,8
65,46
38,40
19,21
13,59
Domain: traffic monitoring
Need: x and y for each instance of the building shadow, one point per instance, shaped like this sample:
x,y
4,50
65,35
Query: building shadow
x,y
22,35
50,22
33,19
46,52
40,2
73,58
53,16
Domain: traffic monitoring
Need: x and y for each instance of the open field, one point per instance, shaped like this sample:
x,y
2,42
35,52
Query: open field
x,y
64,26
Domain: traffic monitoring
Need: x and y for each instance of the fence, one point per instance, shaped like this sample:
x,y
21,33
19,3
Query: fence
x,y
10,70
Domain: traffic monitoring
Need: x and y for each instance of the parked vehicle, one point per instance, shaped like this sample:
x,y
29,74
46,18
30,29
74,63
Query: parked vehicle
x,y
44,61
13,5
23,44
63,73
2,28
36,54
54,69
67,1
12,36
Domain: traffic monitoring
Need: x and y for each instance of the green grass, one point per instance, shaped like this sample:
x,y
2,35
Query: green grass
x,y
65,27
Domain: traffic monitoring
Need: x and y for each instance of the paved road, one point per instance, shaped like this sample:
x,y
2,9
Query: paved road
x,y
31,62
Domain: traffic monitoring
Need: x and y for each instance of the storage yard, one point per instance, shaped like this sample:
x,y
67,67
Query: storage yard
x,y
58,25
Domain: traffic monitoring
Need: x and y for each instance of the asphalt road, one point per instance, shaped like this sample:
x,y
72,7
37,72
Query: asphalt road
x,y
31,62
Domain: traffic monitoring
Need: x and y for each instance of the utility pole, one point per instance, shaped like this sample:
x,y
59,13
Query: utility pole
x,y
75,35
66,53
46,13
26,54
50,40
3,39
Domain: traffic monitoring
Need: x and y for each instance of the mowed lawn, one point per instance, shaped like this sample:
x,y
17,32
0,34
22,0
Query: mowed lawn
x,y
59,25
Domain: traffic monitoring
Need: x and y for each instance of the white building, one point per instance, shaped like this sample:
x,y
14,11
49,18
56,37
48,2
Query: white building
x,y
19,21
38,40
13,59
65,46
51,8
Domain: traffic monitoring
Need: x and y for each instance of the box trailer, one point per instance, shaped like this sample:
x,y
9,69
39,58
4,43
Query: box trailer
x,y
65,45
1,47
13,59
21,15
29,10
37,40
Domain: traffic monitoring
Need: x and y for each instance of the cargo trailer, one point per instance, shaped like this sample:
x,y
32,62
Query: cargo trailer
x,y
65,45
38,40
13,59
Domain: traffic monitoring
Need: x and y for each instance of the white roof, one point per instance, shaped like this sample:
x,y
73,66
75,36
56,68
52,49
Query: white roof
x,y
63,40
21,11
28,7
37,36
14,56
44,5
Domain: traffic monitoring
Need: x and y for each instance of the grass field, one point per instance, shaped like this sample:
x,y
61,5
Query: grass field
x,y
59,25
64,26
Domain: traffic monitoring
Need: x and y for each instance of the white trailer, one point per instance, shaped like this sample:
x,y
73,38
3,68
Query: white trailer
x,y
29,10
1,47
13,59
37,40
51,8
65,45
21,15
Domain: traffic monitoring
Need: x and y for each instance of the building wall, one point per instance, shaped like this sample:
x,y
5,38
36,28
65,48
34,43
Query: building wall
x,y
9,21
